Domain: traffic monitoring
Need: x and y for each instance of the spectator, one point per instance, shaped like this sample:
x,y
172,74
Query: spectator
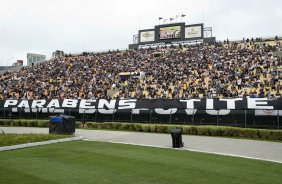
x,y
198,71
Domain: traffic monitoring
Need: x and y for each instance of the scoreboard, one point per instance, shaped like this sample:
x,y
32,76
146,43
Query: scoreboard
x,y
171,33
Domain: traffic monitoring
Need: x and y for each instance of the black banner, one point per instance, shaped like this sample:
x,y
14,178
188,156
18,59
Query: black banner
x,y
149,104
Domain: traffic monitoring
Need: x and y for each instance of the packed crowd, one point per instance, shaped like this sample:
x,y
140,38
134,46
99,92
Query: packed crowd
x,y
198,71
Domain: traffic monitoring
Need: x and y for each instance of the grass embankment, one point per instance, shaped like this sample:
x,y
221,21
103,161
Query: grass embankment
x,y
13,139
107,163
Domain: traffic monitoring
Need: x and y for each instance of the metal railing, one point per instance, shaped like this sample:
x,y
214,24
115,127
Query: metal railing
x,y
237,118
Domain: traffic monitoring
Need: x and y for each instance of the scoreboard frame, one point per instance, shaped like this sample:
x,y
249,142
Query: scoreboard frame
x,y
196,29
157,32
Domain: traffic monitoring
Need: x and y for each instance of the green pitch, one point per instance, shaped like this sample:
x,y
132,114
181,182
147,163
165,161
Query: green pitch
x,y
13,139
96,162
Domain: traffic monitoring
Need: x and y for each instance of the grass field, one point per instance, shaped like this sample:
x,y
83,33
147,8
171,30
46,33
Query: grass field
x,y
13,139
97,162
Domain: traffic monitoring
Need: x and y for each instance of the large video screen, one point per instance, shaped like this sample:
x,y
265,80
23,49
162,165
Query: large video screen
x,y
170,32
193,32
147,36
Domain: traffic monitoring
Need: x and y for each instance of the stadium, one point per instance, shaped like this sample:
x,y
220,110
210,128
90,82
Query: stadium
x,y
178,105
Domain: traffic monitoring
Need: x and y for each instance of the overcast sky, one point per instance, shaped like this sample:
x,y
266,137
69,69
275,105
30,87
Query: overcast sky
x,y
43,26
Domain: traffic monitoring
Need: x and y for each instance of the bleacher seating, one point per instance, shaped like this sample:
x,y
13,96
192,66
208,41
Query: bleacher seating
x,y
195,71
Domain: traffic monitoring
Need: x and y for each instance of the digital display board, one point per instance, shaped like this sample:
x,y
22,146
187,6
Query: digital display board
x,y
170,32
193,31
147,36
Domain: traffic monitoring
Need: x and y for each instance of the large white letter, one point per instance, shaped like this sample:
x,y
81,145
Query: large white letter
x,y
127,104
38,103
254,102
86,108
24,103
190,111
69,103
137,111
209,104
10,102
218,112
168,111
110,106
190,103
231,102
54,103
86,104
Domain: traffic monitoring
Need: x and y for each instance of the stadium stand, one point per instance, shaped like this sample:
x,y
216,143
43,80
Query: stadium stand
x,y
196,71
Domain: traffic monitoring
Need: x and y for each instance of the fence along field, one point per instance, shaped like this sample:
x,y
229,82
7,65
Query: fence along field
x,y
241,112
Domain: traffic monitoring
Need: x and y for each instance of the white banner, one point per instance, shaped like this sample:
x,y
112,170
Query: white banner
x,y
268,112
147,36
193,32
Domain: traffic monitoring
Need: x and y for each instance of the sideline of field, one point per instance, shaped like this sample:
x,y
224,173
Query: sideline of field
x,y
32,144
262,150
